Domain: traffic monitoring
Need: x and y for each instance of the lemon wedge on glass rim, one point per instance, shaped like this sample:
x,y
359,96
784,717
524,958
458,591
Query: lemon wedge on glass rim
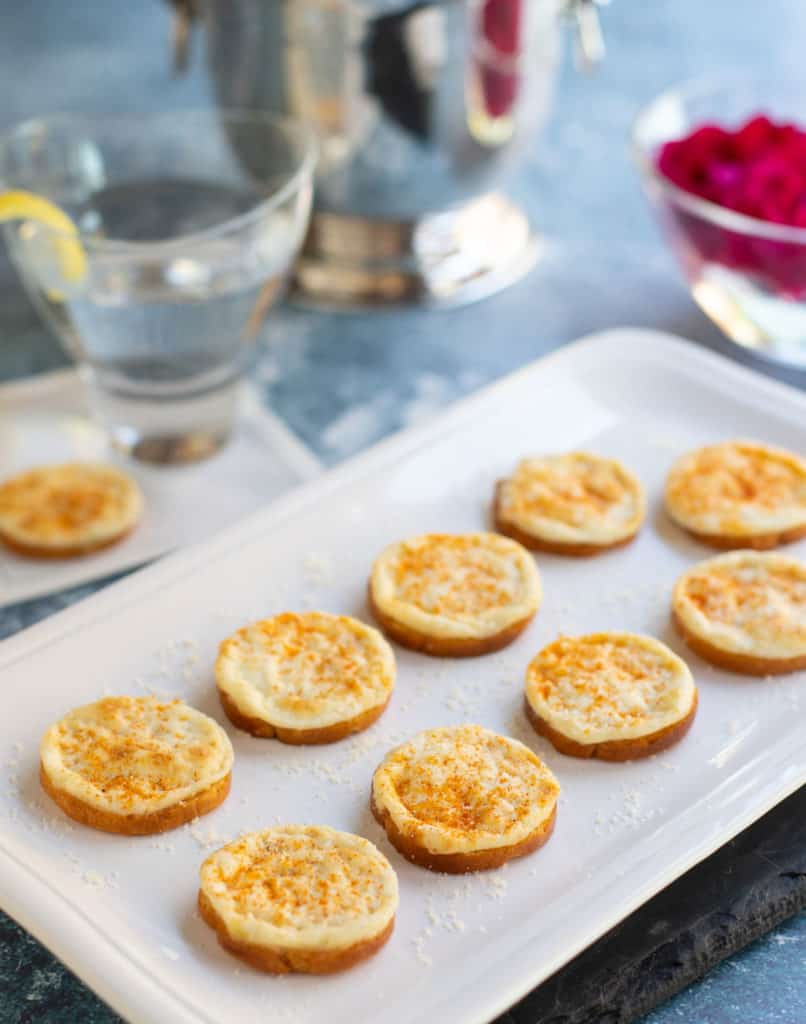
x,y
71,259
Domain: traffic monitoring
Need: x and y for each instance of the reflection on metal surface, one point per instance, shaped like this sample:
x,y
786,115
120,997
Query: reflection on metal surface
x,y
590,48
185,13
423,110
495,73
441,260
420,107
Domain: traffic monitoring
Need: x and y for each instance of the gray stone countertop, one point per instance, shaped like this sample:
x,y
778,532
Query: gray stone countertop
x,y
342,382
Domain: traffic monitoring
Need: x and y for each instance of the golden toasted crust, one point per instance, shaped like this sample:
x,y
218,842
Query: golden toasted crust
x,y
445,646
301,737
33,551
463,798
612,695
137,824
67,510
136,764
758,542
454,594
575,503
744,664
535,543
283,960
614,750
305,677
461,863
299,898
739,494
745,611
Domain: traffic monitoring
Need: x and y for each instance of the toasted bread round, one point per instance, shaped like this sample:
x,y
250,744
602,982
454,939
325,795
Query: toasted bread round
x,y
463,798
745,611
135,765
739,494
305,678
575,504
299,898
67,510
454,594
614,696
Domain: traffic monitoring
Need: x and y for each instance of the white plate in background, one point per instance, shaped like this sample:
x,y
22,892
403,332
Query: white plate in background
x,y
44,419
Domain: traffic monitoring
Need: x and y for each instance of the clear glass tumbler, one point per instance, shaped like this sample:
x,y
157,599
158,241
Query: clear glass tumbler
x,y
189,222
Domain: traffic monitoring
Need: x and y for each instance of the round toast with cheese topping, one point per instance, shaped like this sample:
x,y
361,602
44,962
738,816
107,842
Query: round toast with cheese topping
x,y
67,510
463,798
745,611
454,595
614,696
136,765
739,494
305,678
575,504
299,898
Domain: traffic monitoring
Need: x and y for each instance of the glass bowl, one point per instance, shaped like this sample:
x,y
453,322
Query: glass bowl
x,y
189,223
748,275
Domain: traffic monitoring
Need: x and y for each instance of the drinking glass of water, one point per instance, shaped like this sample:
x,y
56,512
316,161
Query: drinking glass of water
x,y
189,223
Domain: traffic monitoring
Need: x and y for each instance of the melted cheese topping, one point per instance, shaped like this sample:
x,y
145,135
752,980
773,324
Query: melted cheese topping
x,y
576,499
301,887
68,507
609,686
306,670
747,602
471,585
135,755
737,489
463,789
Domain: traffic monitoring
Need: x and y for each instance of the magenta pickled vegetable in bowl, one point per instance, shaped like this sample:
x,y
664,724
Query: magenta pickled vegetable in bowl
x,y
723,162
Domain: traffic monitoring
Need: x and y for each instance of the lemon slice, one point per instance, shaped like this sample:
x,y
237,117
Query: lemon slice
x,y
70,255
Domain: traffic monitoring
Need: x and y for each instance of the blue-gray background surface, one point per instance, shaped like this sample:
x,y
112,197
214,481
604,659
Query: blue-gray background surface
x,y
344,382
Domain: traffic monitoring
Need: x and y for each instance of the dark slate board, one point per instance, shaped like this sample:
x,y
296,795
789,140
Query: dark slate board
x,y
742,891
738,894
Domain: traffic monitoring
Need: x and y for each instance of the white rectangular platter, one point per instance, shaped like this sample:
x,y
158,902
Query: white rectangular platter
x,y
121,912
46,419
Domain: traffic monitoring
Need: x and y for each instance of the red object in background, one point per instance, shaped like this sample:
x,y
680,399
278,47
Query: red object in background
x,y
758,170
500,26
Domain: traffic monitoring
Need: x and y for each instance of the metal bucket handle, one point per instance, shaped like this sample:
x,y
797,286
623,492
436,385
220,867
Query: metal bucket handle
x,y
589,50
590,47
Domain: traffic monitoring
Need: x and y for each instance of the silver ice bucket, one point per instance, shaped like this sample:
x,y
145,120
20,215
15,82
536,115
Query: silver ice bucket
x,y
423,111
